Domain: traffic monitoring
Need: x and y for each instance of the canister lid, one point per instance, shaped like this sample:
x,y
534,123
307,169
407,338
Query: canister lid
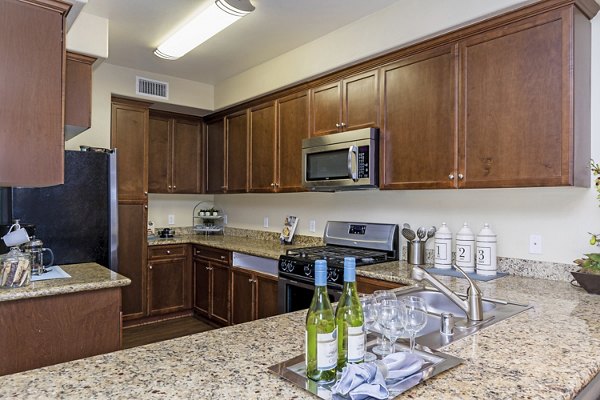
x,y
443,232
465,233
486,233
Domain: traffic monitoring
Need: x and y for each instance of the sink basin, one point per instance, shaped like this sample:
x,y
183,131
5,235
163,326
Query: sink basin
x,y
430,337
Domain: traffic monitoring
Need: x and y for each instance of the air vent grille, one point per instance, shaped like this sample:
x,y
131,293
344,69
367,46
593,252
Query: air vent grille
x,y
150,87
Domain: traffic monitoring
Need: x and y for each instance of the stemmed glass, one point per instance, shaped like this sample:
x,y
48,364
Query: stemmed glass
x,y
416,317
381,295
392,317
369,306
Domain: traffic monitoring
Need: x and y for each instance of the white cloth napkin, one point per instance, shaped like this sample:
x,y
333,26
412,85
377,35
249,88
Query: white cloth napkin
x,y
371,380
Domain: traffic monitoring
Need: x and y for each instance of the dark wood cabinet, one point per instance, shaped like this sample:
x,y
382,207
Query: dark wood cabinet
x,y
174,155
351,103
212,283
214,176
292,127
419,132
78,94
253,295
516,103
263,148
31,97
369,285
169,279
237,152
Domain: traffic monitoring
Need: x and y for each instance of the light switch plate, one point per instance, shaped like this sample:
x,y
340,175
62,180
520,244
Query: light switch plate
x,y
266,222
171,219
535,244
312,225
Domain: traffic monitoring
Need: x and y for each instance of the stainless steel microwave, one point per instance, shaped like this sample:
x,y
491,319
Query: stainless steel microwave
x,y
341,161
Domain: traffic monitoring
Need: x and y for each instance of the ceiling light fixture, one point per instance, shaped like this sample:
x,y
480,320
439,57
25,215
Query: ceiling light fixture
x,y
218,16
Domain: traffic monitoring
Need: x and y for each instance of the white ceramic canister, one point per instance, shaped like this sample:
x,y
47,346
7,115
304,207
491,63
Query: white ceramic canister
x,y
465,248
443,247
486,251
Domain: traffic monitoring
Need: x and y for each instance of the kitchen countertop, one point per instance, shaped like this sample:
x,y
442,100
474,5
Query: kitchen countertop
x,y
549,352
84,277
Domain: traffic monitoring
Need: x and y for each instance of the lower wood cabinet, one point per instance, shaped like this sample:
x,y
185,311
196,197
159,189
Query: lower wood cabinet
x,y
369,285
169,280
253,295
212,283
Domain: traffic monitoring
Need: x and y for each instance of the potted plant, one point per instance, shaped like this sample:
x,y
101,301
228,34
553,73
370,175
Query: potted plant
x,y
588,276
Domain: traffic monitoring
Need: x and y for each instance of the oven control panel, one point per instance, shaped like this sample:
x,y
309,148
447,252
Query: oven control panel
x,y
305,271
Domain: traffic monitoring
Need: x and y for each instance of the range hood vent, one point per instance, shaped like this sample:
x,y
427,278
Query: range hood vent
x,y
150,87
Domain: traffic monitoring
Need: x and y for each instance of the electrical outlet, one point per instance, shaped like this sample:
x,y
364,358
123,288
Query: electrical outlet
x,y
535,244
225,219
266,222
312,225
171,219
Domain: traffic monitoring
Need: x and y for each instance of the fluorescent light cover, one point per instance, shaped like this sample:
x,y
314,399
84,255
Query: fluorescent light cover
x,y
198,30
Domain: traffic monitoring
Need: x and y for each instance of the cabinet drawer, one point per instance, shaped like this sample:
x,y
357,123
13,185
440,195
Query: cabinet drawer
x,y
212,254
166,251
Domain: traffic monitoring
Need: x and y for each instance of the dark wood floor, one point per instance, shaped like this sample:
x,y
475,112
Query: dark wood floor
x,y
157,332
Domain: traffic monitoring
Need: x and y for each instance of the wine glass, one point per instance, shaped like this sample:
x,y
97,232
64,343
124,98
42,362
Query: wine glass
x,y
416,317
393,320
369,307
380,295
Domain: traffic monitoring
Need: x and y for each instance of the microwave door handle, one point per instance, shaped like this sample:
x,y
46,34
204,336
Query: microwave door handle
x,y
352,163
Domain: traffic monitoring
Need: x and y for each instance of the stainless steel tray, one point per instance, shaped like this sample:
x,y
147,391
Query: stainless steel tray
x,y
294,370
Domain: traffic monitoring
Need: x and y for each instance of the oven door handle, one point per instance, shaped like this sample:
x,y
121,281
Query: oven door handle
x,y
353,163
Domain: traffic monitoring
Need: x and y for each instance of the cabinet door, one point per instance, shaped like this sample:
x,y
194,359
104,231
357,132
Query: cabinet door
x,y
31,93
132,258
326,109
159,156
237,152
215,157
186,156
201,287
266,296
129,134
360,107
293,127
78,94
263,148
242,296
516,119
167,281
220,293
419,121
369,285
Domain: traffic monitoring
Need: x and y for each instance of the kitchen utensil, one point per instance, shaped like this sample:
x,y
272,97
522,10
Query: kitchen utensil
x,y
408,234
421,233
36,250
406,225
430,232
16,235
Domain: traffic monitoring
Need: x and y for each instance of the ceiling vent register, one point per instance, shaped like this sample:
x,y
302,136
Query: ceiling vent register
x,y
150,87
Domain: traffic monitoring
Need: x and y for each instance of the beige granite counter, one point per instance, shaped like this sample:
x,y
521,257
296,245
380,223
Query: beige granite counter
x,y
84,277
548,352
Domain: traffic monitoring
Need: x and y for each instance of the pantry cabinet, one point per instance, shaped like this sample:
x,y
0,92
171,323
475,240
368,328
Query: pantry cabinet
x,y
169,279
214,176
236,126
253,295
350,103
211,269
174,154
32,66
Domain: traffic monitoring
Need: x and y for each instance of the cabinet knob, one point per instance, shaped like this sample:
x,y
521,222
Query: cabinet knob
x,y
145,193
150,266
451,177
146,206
338,125
222,257
461,177
250,280
272,184
343,124
169,186
174,187
168,251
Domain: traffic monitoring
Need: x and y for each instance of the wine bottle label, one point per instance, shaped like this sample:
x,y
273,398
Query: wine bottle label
x,y
327,350
356,344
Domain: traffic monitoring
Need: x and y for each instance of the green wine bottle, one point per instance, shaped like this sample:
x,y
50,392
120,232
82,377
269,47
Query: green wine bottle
x,y
349,320
321,334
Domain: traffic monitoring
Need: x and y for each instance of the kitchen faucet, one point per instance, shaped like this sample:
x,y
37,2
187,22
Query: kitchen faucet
x,y
472,306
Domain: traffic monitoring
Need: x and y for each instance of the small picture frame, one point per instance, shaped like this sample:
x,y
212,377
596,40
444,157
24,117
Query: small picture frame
x,y
289,227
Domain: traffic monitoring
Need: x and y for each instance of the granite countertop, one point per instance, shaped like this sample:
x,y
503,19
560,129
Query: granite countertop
x,y
86,276
549,352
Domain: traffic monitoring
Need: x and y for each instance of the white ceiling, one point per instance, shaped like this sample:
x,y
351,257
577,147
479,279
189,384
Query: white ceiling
x,y
136,27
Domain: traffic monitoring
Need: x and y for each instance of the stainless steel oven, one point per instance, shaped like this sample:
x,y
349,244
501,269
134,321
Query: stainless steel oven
x,y
341,161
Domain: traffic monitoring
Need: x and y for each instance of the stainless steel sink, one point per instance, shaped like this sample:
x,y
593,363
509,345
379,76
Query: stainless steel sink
x,y
430,337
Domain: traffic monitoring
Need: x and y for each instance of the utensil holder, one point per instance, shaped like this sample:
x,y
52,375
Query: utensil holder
x,y
415,253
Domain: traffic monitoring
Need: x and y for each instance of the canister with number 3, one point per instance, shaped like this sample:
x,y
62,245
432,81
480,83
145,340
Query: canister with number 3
x,y
486,251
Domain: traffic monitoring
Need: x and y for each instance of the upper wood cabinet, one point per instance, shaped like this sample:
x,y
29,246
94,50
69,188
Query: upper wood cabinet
x,y
214,139
263,148
31,95
236,126
292,127
174,155
78,94
129,135
419,134
351,103
518,121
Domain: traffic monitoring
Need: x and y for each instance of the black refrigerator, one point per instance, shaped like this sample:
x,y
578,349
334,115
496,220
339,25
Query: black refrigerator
x,y
79,219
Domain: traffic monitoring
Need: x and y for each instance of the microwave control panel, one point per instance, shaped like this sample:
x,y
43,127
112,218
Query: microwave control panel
x,y
363,162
